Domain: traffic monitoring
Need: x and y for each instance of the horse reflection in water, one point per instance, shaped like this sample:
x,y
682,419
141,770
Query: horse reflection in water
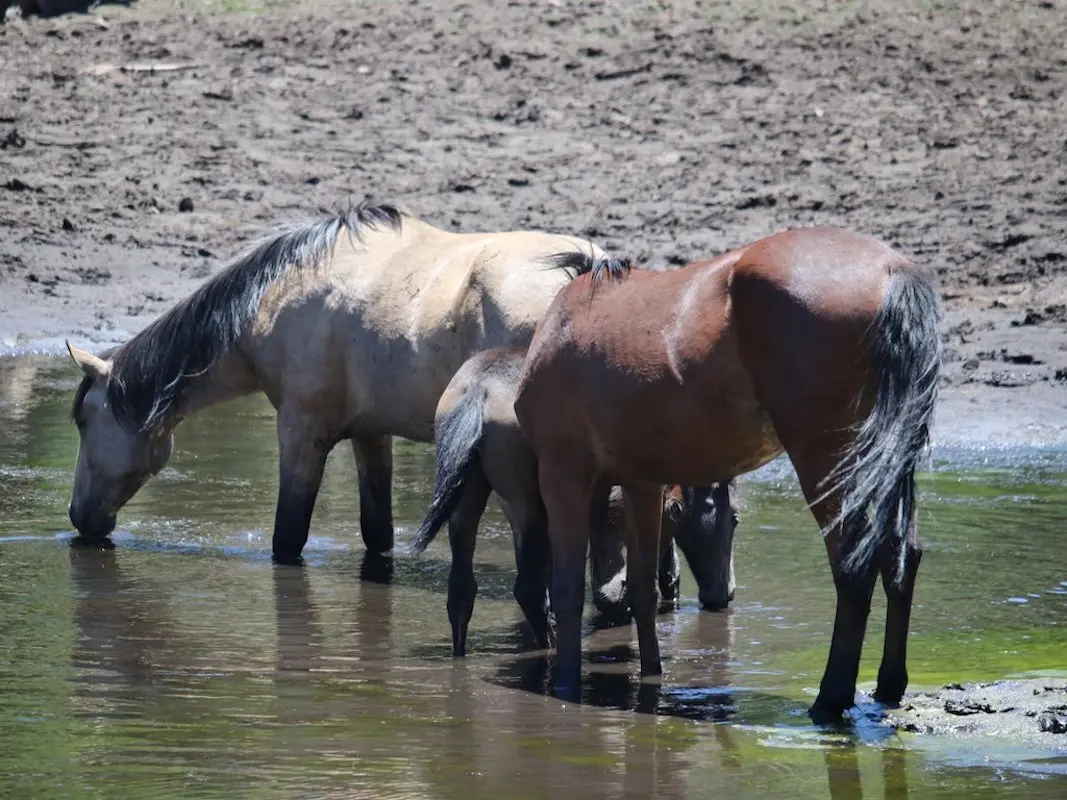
x,y
125,639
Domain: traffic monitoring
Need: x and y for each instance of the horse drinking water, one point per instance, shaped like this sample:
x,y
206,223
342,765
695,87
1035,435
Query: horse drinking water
x,y
480,449
352,326
818,342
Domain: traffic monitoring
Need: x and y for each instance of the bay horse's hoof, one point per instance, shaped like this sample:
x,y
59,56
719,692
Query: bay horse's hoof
x,y
288,559
823,712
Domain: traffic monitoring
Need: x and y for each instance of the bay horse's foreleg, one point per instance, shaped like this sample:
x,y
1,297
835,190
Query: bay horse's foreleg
x,y
893,672
644,513
566,490
374,463
462,536
302,458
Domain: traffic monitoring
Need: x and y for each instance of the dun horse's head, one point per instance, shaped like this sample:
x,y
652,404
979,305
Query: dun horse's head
x,y
114,460
703,519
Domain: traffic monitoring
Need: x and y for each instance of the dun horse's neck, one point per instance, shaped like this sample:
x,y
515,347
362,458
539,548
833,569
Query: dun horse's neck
x,y
230,378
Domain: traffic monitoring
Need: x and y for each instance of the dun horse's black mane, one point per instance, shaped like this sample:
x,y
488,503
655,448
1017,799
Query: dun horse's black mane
x,y
577,262
149,371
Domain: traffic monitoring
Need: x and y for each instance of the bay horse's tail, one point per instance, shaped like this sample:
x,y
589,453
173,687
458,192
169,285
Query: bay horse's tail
x,y
877,471
457,435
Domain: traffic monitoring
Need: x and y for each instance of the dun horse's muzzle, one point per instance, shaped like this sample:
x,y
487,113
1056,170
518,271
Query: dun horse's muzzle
x,y
93,526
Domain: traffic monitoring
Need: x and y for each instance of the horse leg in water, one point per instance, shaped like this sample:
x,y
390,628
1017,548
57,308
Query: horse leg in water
x,y
607,564
854,587
301,460
567,489
893,673
670,569
462,534
533,561
374,463
644,514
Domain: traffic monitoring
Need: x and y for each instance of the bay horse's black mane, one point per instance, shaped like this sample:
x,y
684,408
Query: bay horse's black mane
x,y
149,371
577,262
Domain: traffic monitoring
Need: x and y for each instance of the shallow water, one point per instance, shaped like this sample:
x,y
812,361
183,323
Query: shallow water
x,y
184,664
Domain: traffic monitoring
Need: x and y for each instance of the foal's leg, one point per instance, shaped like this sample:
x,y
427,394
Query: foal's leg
x,y
670,573
644,513
534,565
893,673
302,458
566,490
462,534
374,463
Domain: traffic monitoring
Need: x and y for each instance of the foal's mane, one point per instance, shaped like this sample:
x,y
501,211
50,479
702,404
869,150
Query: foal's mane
x,y
149,372
577,262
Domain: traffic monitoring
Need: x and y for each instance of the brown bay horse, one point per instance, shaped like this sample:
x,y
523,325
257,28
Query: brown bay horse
x,y
351,325
817,342
480,449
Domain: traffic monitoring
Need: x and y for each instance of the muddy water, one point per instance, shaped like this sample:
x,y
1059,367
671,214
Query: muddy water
x,y
184,664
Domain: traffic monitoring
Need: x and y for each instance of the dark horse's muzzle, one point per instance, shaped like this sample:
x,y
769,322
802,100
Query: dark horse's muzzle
x,y
93,526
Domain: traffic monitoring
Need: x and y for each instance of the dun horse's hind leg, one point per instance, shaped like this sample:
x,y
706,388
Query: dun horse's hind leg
x,y
302,458
462,534
893,673
566,490
374,463
644,514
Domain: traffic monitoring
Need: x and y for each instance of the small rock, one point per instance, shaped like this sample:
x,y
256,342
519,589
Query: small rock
x,y
518,182
186,204
67,224
15,185
503,61
969,365
962,708
1052,723
13,139
955,686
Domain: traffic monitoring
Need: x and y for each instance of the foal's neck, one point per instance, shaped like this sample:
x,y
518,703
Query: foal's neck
x,y
231,377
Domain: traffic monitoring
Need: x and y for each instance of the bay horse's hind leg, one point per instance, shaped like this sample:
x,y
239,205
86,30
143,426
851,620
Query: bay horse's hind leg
x,y
837,691
566,489
893,673
462,535
374,463
644,514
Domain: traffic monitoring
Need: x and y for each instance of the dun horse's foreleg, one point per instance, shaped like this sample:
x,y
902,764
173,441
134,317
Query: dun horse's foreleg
x,y
302,458
644,513
462,535
374,463
567,492
893,673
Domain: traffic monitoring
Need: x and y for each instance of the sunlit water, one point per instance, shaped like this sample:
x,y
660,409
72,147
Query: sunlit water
x,y
184,664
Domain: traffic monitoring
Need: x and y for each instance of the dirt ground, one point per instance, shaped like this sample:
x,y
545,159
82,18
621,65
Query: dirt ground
x,y
667,131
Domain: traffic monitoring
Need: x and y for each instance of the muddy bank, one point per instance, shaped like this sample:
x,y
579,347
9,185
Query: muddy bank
x,y
668,135
1030,713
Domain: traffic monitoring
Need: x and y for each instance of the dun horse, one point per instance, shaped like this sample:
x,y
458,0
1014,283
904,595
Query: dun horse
x,y
352,326
818,342
480,449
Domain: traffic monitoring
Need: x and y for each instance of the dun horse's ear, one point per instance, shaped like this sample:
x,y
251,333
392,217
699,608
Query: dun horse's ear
x,y
93,366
